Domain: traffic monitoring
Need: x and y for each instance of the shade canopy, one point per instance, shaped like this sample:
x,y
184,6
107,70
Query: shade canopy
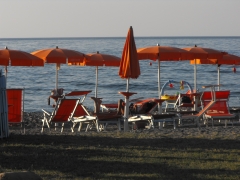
x,y
10,57
163,53
59,56
98,59
227,59
203,53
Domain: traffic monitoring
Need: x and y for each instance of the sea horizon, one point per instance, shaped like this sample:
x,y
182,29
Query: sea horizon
x,y
39,81
110,37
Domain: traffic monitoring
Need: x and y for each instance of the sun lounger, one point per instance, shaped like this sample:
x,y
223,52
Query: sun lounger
x,y
210,98
65,109
220,110
99,120
15,99
140,113
62,113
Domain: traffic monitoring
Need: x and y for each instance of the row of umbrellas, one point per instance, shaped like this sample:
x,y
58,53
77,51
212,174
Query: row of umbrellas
x,y
129,63
197,55
159,53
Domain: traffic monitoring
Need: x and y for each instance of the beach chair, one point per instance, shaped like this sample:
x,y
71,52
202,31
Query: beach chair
x,y
209,103
15,99
220,110
62,113
141,113
99,120
145,109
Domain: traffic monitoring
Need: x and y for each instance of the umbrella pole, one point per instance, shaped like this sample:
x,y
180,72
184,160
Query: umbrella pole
x,y
96,82
126,109
195,75
159,88
57,69
218,69
6,75
127,89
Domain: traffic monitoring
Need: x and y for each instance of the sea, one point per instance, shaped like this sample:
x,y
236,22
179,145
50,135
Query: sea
x,y
39,81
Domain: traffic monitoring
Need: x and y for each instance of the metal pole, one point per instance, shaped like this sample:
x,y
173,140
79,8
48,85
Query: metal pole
x,y
195,75
126,109
127,89
218,69
57,69
96,87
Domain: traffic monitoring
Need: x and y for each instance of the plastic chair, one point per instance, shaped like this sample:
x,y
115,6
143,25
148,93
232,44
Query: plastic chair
x,y
15,99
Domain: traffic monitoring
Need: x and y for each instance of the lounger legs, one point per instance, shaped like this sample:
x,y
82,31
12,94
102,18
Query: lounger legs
x,y
43,121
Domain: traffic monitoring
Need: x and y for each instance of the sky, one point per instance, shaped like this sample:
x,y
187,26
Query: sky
x,y
112,18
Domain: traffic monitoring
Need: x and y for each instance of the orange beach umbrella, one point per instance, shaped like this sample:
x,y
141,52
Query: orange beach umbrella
x,y
227,59
163,53
129,65
98,59
59,56
129,68
203,53
10,57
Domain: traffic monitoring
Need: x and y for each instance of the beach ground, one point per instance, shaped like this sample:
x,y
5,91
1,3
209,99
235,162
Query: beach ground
x,y
183,153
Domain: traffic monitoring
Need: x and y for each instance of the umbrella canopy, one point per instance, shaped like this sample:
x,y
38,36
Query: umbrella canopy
x,y
98,59
10,57
129,68
129,65
227,59
163,53
203,53
59,56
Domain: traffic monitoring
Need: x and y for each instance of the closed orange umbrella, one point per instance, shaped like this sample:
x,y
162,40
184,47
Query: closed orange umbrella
x,y
10,57
129,68
203,53
59,56
227,59
129,65
98,59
